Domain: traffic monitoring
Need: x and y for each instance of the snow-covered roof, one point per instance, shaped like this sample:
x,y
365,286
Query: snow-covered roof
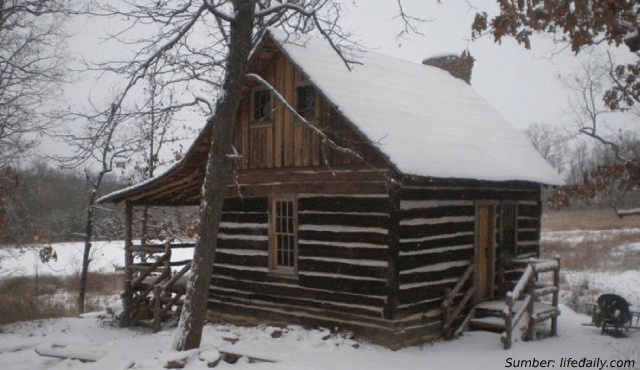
x,y
427,122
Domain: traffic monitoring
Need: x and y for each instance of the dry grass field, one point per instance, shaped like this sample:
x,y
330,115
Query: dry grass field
x,y
597,219
592,240
31,298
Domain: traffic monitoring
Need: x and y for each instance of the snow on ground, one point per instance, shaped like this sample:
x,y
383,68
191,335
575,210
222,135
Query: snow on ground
x,y
575,237
106,257
296,348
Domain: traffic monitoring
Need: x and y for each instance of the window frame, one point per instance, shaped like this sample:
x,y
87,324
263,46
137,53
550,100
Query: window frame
x,y
509,250
316,104
262,121
274,267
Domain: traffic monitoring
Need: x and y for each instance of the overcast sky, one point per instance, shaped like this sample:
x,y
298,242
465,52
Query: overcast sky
x,y
521,84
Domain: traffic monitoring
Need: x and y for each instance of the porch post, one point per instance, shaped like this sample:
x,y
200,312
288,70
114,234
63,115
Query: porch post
x,y
128,257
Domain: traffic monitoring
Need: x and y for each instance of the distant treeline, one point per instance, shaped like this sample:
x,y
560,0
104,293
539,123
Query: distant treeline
x,y
41,203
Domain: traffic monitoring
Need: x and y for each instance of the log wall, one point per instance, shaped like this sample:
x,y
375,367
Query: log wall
x,y
437,241
342,262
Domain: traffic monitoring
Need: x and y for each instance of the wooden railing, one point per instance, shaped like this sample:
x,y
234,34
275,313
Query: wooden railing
x,y
527,286
451,313
156,277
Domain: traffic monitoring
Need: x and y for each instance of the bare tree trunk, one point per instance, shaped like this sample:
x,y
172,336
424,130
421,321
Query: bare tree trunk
x,y
88,235
87,248
193,316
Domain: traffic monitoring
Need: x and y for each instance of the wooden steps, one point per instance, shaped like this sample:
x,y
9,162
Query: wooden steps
x,y
489,323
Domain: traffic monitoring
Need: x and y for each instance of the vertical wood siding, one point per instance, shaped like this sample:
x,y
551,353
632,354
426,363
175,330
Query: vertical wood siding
x,y
285,142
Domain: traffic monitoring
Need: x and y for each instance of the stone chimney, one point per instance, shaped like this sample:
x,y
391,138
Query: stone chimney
x,y
459,66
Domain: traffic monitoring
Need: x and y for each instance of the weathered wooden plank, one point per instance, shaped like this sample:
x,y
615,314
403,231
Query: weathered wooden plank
x,y
341,236
309,316
233,272
293,290
416,261
436,212
258,245
528,223
417,277
427,292
297,144
528,249
344,204
269,146
451,240
528,210
294,301
343,219
246,217
342,284
420,231
299,175
315,187
287,70
241,261
244,230
528,235
419,307
321,250
246,204
345,270
467,194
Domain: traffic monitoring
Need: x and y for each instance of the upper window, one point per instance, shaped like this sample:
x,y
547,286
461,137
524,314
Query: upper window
x,y
262,110
283,250
509,228
306,101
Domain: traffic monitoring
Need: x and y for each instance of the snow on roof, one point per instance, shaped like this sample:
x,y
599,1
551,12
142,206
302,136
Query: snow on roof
x,y
427,122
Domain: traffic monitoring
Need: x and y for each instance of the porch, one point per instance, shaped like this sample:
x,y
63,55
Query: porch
x,y
520,305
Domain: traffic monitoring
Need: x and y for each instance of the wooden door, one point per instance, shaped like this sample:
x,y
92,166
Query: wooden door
x,y
485,251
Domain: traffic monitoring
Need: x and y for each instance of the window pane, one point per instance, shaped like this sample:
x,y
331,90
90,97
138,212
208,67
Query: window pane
x,y
306,104
284,238
262,105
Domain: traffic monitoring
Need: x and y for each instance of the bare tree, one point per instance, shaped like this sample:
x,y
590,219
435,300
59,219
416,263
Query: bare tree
x,y
103,141
551,143
32,58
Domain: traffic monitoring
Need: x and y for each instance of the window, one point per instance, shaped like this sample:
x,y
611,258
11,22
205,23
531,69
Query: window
x,y
306,101
262,110
283,249
508,229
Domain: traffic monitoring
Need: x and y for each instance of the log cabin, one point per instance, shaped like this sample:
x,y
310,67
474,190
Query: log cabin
x,y
440,215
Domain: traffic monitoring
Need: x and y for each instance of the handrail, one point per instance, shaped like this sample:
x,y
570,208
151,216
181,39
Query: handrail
x,y
527,284
450,295
450,315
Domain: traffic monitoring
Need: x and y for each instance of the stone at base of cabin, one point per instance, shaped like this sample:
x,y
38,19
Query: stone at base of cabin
x,y
176,363
231,358
210,357
178,360
276,334
230,338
